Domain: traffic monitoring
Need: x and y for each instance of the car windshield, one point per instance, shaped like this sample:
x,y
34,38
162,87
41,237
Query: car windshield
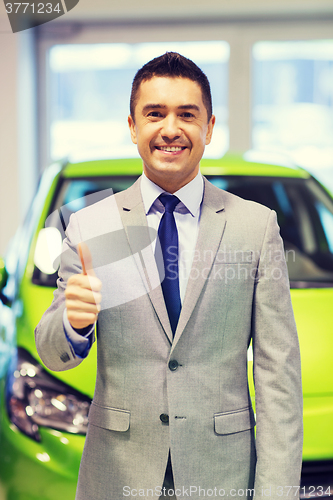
x,y
304,211
305,216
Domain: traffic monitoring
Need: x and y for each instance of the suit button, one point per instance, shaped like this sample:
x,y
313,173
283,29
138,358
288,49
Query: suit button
x,y
173,365
164,418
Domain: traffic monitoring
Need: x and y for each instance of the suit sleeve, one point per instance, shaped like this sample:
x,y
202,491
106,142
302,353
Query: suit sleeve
x,y
277,374
82,341
53,346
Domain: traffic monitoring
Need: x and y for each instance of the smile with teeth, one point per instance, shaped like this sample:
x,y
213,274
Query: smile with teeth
x,y
170,149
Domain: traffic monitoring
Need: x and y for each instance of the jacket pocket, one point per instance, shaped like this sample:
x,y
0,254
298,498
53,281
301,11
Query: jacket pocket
x,y
231,422
113,419
234,257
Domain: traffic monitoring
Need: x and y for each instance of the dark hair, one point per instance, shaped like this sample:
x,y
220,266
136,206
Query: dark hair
x,y
173,65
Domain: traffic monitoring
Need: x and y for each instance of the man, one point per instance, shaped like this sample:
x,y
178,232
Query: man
x,y
171,404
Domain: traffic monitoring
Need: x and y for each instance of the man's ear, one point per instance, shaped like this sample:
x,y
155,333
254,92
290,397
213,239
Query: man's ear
x,y
131,125
210,129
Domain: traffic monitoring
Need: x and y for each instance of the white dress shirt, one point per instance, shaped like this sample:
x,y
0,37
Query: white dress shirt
x,y
187,218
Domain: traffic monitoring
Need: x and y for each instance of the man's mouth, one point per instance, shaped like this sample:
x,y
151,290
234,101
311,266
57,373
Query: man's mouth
x,y
170,149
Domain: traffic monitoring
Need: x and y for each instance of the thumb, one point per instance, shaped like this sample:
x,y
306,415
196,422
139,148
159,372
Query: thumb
x,y
86,259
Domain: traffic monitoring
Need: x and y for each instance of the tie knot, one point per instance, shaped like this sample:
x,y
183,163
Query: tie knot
x,y
169,201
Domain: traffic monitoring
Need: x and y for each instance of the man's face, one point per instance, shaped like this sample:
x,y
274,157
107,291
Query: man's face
x,y
170,130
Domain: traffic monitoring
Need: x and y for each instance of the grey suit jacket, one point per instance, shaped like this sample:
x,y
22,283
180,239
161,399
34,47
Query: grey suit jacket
x,y
238,290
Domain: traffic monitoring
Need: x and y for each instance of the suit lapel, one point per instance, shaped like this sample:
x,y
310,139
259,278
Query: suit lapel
x,y
212,223
134,220
211,228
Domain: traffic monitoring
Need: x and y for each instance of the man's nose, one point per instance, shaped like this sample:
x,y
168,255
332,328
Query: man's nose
x,y
170,128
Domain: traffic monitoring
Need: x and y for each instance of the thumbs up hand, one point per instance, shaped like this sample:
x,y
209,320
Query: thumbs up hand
x,y
82,293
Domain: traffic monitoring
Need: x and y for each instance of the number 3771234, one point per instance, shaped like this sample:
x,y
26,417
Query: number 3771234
x,y
32,8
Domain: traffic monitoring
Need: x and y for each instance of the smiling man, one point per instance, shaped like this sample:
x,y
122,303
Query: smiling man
x,y
171,414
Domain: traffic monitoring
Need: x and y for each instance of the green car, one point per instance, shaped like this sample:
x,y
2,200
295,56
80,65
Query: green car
x,y
44,415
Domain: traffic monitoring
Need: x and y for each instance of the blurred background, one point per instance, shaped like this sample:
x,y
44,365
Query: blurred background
x,y
65,85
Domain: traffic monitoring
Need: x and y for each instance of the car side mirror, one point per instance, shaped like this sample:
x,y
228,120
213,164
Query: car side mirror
x,y
3,274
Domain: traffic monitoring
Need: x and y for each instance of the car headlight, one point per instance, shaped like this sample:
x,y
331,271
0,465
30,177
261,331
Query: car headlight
x,y
35,398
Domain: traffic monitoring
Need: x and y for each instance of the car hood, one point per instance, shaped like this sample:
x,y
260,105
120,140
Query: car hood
x,y
34,302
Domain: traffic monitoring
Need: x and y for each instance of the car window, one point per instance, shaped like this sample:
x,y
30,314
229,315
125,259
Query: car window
x,y
304,211
305,216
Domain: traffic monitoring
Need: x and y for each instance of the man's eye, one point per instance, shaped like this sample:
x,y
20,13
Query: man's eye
x,y
154,114
187,115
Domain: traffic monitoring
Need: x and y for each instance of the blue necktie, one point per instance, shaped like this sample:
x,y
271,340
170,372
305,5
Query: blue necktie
x,y
168,236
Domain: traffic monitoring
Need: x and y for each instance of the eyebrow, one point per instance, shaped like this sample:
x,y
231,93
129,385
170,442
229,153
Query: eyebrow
x,y
147,107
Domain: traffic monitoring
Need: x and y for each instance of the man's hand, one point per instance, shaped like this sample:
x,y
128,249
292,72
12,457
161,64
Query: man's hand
x,y
82,293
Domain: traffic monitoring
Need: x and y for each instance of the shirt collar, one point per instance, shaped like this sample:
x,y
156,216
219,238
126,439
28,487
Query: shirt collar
x,y
190,195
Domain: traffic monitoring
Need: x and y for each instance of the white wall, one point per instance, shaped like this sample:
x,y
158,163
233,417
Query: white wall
x,y
18,128
9,195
